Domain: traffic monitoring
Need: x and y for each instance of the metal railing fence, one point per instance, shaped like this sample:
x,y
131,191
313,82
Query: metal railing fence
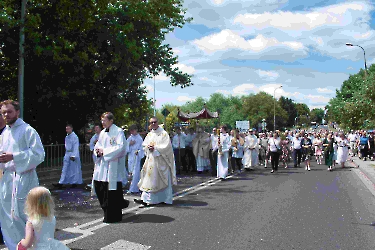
x,y
55,155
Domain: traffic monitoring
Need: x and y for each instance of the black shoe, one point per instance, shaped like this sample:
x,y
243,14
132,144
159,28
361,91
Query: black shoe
x,y
125,204
141,202
57,185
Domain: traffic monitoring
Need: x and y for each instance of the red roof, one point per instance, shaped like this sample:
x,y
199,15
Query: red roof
x,y
203,114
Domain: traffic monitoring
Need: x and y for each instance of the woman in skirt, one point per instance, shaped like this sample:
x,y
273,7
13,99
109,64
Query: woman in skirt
x,y
318,144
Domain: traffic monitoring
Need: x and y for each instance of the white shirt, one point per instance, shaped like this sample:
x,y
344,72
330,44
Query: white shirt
x,y
353,137
274,144
296,142
189,140
179,141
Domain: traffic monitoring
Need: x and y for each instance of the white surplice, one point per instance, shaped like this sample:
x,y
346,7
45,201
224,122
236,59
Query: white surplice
x,y
19,178
251,155
222,158
135,155
111,166
71,172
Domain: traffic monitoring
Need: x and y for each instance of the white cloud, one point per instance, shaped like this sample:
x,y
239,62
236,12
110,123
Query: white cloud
x,y
185,69
185,99
324,90
224,92
149,88
162,77
317,99
268,75
245,89
286,20
227,39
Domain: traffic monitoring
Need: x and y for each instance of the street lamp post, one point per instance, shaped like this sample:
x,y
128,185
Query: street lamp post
x,y
21,63
154,98
364,55
274,108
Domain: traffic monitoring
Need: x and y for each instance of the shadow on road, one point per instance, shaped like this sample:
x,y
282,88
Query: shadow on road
x,y
146,218
188,203
63,235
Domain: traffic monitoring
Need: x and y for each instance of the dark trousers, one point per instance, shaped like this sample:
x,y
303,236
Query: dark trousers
x,y
297,155
111,201
179,157
275,160
213,161
191,164
236,163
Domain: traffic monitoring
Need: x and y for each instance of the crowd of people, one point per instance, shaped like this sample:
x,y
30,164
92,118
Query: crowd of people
x,y
244,150
27,211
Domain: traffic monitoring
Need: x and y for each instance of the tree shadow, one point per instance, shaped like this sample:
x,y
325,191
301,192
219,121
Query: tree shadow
x,y
188,203
147,218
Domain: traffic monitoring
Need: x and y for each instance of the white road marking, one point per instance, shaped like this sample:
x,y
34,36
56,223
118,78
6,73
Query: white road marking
x,y
125,245
87,229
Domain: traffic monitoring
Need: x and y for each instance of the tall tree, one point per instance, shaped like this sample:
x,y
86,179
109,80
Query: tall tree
x,y
86,57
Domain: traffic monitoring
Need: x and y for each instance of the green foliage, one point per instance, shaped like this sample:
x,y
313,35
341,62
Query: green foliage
x,y
353,106
86,57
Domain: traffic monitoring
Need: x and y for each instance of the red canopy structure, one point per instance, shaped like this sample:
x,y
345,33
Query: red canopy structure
x,y
203,114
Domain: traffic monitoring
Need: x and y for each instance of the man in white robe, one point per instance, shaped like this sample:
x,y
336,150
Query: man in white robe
x,y
94,139
251,155
223,153
71,171
135,155
158,173
21,152
213,152
201,150
110,168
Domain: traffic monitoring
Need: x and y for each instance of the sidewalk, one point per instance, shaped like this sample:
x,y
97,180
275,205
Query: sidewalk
x,y
365,170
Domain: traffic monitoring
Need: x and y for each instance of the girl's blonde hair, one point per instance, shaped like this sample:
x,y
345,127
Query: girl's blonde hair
x,y
39,204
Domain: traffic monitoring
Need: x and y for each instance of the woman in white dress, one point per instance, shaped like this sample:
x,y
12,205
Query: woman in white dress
x,y
343,150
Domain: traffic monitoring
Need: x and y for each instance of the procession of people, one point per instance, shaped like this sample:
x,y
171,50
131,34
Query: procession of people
x,y
148,167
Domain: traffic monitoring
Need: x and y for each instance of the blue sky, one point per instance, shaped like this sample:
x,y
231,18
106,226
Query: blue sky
x,y
238,47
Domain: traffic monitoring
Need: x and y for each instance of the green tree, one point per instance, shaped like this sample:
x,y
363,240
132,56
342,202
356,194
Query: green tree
x,y
290,107
86,57
261,106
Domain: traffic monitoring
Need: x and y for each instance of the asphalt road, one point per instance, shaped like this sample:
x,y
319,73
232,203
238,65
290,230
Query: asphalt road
x,y
292,209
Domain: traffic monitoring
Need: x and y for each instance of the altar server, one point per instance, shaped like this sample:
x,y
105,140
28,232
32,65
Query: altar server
x,y
21,152
135,155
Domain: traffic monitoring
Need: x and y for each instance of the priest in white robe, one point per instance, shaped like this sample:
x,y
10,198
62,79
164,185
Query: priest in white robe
x,y
251,153
21,152
159,172
110,168
201,150
223,146
71,171
135,155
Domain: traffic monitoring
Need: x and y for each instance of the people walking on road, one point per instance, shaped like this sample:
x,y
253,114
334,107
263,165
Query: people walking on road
x,y
371,145
110,169
342,151
158,173
93,141
297,150
71,171
329,152
251,156
191,164
263,147
353,139
135,155
318,145
274,148
223,145
178,145
364,146
201,150
285,145
237,145
41,223
22,151
213,152
307,151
